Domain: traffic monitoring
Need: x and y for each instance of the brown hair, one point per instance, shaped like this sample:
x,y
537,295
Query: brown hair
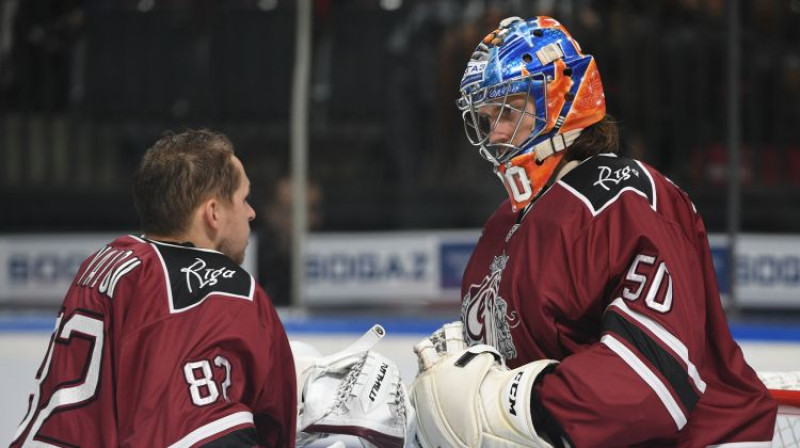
x,y
601,137
177,174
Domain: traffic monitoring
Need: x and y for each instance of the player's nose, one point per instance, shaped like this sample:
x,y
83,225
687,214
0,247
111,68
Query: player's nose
x,y
501,132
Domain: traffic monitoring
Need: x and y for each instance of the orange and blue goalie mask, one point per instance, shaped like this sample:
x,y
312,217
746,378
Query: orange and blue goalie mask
x,y
524,177
538,58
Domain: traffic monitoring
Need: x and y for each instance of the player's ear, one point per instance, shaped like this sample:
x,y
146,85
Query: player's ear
x,y
210,211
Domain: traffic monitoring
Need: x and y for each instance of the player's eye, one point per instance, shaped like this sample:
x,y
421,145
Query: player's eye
x,y
510,112
484,124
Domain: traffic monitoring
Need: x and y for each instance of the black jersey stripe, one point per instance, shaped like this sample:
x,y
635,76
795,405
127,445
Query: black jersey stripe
x,y
661,359
244,438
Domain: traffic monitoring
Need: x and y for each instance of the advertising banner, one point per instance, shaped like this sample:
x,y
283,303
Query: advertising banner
x,y
371,267
768,271
388,267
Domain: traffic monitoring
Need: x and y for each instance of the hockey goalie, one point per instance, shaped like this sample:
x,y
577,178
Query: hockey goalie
x,y
590,306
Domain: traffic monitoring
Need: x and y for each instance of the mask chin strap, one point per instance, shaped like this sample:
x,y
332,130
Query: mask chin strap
x,y
555,144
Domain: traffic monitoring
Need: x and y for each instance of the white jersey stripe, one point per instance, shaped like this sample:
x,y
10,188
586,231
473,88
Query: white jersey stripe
x,y
215,427
588,203
652,183
166,277
667,338
649,377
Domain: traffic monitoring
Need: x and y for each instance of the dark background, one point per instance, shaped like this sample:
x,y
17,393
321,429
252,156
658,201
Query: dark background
x,y
86,86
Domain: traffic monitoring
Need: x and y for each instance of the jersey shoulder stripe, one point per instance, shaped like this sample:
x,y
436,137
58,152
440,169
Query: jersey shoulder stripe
x,y
599,181
193,274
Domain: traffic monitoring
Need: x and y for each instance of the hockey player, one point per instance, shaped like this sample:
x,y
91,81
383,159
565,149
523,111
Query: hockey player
x,y
593,281
163,339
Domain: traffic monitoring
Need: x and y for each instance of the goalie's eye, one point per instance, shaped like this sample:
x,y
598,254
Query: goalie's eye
x,y
484,124
497,112
510,113
477,126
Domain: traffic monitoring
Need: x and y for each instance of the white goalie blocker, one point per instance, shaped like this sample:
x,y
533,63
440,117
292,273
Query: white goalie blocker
x,y
356,392
466,397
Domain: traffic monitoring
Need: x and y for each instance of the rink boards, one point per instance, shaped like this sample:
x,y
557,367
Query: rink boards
x,y
23,341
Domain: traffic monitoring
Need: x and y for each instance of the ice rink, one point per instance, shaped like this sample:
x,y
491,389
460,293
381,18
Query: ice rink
x,y
23,342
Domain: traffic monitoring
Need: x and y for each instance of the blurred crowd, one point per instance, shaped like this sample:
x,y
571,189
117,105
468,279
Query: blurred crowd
x,y
84,84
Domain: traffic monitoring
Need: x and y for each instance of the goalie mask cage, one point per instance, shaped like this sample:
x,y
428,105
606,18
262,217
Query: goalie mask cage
x,y
785,388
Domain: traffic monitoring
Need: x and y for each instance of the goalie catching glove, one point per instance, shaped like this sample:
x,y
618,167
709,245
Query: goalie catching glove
x,y
466,397
356,392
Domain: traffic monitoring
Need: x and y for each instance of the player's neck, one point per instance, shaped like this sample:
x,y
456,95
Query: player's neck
x,y
200,232
168,239
192,236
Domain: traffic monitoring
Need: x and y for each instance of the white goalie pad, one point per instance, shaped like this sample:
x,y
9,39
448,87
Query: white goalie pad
x,y
355,392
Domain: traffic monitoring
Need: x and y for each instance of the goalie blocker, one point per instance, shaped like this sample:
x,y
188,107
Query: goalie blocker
x,y
466,397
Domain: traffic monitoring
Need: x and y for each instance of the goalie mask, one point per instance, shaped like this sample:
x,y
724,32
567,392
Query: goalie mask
x,y
526,94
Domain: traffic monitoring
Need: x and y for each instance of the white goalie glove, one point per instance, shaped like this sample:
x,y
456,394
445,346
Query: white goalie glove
x,y
466,397
356,392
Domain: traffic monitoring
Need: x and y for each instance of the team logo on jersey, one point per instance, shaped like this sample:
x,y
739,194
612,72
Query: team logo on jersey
x,y
202,276
485,313
603,179
608,175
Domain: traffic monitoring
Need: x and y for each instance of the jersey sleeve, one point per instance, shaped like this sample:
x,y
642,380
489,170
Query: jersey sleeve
x,y
209,372
640,281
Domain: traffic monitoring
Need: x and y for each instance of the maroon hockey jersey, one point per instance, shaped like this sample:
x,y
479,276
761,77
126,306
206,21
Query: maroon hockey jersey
x,y
163,345
610,272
